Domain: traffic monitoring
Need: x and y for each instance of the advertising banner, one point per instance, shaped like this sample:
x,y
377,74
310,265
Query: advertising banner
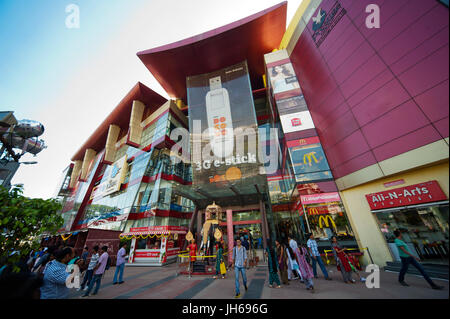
x,y
113,177
223,126
282,78
292,105
309,163
296,122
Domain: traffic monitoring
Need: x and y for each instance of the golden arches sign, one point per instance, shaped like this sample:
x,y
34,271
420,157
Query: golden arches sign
x,y
326,219
310,156
313,211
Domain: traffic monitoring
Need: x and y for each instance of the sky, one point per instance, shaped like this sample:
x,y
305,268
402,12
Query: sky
x,y
70,79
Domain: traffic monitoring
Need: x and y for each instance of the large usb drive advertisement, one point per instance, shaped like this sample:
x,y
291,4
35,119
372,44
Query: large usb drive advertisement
x,y
223,127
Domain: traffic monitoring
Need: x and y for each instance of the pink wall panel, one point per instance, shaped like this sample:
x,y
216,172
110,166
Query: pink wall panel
x,y
401,120
434,102
379,102
345,150
365,74
427,73
422,51
405,143
376,93
354,164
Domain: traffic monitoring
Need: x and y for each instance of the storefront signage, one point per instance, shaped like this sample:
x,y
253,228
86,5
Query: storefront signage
x,y
158,229
324,22
410,195
147,254
320,198
303,141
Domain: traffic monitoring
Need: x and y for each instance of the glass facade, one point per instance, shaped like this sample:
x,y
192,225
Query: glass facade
x,y
425,230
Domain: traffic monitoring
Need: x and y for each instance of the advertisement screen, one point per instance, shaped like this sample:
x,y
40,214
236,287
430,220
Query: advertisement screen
x,y
223,127
292,105
282,78
296,122
309,163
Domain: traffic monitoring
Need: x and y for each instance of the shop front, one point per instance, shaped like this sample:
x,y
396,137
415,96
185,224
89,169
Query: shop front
x,y
154,245
420,212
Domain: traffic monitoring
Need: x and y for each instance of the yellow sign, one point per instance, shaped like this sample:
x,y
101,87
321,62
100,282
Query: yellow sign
x,y
116,174
310,156
313,211
325,219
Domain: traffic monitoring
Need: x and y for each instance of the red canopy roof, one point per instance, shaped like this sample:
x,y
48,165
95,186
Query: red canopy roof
x,y
121,116
246,39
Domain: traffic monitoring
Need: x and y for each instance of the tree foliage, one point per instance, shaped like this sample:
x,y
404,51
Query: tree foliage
x,y
23,220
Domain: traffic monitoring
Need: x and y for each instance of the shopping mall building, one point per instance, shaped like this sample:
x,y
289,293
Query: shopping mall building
x,y
351,124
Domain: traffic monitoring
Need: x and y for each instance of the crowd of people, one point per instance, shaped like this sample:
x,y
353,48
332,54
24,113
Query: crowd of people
x,y
50,273
44,274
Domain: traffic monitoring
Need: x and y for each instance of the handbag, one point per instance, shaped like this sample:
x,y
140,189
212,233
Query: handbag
x,y
223,269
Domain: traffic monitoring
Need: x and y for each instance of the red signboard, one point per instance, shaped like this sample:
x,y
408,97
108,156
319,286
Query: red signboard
x,y
146,254
158,228
409,195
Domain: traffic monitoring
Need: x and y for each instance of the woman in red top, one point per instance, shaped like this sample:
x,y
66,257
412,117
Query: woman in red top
x,y
342,261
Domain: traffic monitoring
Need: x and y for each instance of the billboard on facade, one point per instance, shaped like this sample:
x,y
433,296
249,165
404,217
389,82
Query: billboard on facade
x,y
223,126
309,163
291,105
296,122
282,78
114,176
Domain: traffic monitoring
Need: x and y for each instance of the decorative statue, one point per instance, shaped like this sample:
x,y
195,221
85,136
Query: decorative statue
x,y
211,231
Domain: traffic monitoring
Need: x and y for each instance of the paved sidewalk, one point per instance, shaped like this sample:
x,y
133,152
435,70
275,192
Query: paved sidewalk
x,y
163,283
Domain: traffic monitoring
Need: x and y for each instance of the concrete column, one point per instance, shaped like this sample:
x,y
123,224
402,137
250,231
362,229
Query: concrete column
x,y
110,147
198,235
75,173
265,230
135,132
230,235
88,157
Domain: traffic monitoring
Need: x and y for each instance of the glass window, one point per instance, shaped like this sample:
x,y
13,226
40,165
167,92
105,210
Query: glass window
x,y
425,229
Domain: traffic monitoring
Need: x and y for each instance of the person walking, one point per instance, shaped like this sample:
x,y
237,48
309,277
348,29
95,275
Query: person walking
x,y
273,265
219,260
239,262
85,254
55,275
120,264
294,246
282,262
293,264
98,272
315,256
90,271
305,268
342,261
407,258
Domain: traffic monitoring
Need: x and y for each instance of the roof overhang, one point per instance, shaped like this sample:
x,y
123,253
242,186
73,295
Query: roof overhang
x,y
246,39
120,116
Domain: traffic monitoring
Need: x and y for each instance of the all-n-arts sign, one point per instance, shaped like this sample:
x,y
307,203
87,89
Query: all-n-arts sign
x,y
410,195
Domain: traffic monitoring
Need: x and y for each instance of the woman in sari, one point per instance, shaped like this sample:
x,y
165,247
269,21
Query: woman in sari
x,y
341,261
282,262
273,265
305,268
219,260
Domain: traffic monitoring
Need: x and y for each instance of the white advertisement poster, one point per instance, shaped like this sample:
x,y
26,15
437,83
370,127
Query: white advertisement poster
x,y
296,122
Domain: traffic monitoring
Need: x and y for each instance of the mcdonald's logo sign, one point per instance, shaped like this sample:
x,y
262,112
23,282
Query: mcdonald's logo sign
x,y
310,156
326,220
302,141
313,211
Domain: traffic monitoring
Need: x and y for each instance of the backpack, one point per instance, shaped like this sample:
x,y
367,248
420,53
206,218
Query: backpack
x,y
108,263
